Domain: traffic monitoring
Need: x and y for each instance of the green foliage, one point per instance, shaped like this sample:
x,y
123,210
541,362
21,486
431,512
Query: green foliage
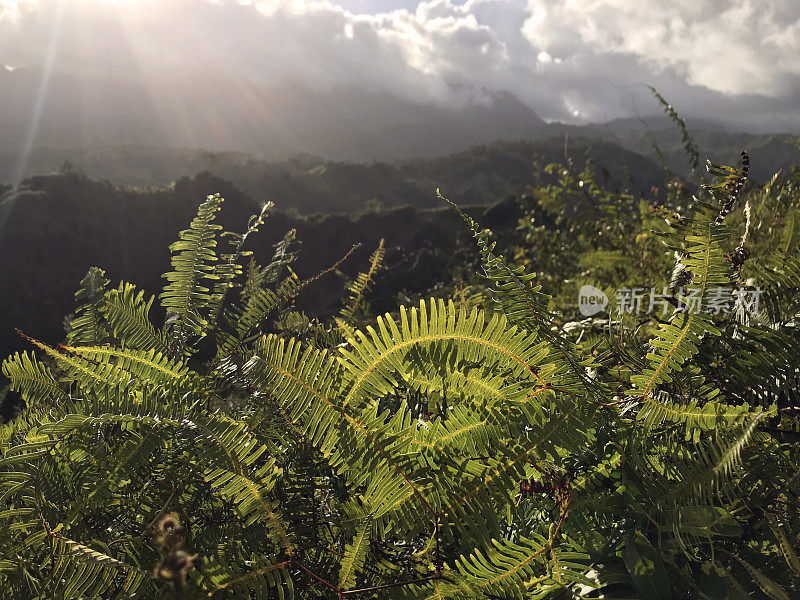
x,y
128,314
194,262
363,282
87,326
479,447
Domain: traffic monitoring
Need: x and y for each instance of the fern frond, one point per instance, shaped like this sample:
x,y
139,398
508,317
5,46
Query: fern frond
x,y
257,579
359,288
704,415
336,404
81,572
716,462
130,460
378,355
149,367
347,331
128,314
85,374
676,341
688,142
522,302
32,379
187,293
257,305
249,496
516,569
767,585
228,268
87,326
282,257
304,383
232,456
354,555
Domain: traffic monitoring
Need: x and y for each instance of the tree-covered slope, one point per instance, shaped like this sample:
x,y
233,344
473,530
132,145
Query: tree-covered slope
x,y
55,227
478,175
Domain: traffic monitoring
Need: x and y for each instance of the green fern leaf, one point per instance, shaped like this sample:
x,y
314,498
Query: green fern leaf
x,y
354,555
256,579
128,314
87,326
187,293
31,378
359,288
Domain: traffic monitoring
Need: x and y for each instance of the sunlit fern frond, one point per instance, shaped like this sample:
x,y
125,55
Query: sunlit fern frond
x,y
336,404
259,578
522,302
676,341
258,300
388,350
716,461
228,269
521,568
81,572
354,555
128,314
31,378
257,305
188,291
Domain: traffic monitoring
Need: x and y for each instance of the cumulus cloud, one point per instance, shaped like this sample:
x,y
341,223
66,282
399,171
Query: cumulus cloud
x,y
573,61
733,47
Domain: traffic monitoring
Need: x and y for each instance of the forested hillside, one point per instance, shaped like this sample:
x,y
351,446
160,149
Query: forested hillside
x,y
479,174
54,227
309,184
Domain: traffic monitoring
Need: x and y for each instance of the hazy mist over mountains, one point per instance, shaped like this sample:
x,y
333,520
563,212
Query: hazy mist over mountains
x,y
274,121
117,131
362,80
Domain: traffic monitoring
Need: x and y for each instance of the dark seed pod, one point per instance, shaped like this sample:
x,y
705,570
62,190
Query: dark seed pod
x,y
733,188
739,256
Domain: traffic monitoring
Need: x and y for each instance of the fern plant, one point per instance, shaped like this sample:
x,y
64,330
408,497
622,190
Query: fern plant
x,y
440,451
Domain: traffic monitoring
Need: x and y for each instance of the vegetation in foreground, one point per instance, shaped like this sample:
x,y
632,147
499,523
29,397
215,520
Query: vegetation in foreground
x,y
483,445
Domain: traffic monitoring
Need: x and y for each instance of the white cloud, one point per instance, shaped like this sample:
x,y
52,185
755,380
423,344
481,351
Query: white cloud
x,y
729,46
567,59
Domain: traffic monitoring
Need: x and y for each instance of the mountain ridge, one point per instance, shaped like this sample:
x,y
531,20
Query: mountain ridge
x,y
276,120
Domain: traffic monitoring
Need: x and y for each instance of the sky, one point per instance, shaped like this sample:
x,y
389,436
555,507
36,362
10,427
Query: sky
x,y
570,60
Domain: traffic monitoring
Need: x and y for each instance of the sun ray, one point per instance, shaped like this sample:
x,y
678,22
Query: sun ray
x,y
41,95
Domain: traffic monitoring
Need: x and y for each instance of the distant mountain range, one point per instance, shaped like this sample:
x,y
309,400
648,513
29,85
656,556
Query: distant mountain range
x,y
274,122
265,139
